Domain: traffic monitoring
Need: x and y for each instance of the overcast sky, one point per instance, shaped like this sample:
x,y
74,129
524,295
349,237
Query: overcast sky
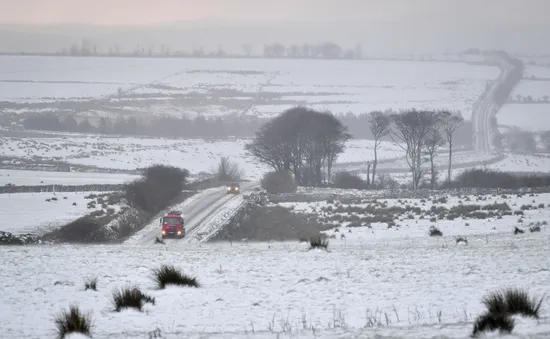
x,y
132,12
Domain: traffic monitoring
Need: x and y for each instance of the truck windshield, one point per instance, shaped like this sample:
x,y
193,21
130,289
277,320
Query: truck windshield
x,y
171,220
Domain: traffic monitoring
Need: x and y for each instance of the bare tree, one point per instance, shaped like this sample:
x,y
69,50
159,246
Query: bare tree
x,y
409,131
228,170
434,140
449,124
379,124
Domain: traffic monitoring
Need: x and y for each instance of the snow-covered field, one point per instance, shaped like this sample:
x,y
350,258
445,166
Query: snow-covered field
x,y
397,288
31,213
131,153
364,216
20,177
258,86
530,117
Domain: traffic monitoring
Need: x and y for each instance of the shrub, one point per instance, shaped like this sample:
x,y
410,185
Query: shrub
x,y
227,170
130,297
279,182
484,178
492,322
461,239
518,231
346,180
318,241
158,186
169,275
83,230
72,321
435,232
534,228
90,284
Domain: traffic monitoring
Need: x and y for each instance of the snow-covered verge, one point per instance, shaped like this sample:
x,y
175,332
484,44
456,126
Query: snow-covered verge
x,y
397,288
22,177
41,212
454,215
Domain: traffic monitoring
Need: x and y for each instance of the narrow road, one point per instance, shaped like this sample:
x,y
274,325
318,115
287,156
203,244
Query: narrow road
x,y
196,210
486,110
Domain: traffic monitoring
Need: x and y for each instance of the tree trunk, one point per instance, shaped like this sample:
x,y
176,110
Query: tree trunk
x,y
432,169
375,161
368,173
450,160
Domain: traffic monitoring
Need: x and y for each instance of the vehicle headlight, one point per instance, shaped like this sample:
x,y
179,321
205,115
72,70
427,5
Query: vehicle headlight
x,y
163,232
179,232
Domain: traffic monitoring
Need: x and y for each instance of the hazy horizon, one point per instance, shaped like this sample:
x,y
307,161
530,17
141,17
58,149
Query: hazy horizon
x,y
383,26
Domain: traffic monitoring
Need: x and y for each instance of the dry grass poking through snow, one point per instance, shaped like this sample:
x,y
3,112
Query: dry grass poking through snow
x,y
130,297
72,321
501,306
170,275
318,241
90,284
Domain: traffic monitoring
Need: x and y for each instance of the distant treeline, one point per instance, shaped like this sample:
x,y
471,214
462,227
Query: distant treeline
x,y
231,126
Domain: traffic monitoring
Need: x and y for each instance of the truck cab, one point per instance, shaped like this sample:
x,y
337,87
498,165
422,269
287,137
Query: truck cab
x,y
173,225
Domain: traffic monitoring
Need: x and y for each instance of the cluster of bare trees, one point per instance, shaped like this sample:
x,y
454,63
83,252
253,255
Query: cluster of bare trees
x,y
303,142
420,133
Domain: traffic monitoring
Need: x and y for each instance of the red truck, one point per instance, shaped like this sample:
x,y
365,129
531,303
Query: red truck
x,y
173,225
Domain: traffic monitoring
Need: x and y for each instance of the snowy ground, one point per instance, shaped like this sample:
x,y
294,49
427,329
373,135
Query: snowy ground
x,y
31,213
18,177
530,117
131,153
363,216
397,288
258,86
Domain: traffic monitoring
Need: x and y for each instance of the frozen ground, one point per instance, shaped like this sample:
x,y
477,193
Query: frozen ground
x,y
397,288
258,86
530,117
31,213
131,153
19,177
363,216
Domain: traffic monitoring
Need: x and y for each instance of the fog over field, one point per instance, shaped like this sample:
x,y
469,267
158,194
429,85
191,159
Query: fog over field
x,y
383,27
274,169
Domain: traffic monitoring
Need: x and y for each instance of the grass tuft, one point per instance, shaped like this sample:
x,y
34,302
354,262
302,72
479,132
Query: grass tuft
x,y
435,232
130,297
490,322
90,284
318,241
72,321
159,241
169,275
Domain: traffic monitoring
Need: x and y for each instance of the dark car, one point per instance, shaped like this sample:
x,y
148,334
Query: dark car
x,y
233,188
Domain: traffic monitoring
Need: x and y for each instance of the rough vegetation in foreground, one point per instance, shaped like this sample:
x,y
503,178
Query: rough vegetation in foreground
x,y
318,241
72,321
170,275
501,306
130,297
90,284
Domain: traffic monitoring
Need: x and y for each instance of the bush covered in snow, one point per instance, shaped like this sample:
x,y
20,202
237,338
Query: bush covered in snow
x,y
72,320
130,297
7,238
501,306
170,275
